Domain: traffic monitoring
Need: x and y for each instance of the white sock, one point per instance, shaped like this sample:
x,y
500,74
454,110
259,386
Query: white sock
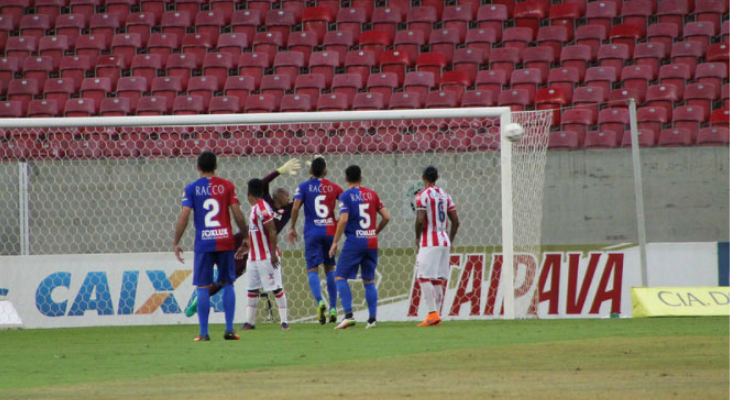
x,y
439,287
253,302
281,302
429,294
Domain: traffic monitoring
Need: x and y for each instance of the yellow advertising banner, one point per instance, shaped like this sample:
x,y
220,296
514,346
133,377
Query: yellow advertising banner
x,y
680,301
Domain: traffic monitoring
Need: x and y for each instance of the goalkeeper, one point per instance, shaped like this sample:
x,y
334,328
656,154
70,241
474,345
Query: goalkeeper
x,y
280,203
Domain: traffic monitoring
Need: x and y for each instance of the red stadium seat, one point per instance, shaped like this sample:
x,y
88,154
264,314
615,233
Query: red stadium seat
x,y
492,81
554,37
603,77
333,102
689,118
280,21
7,25
316,19
713,136
79,108
517,37
347,84
516,99
527,79
38,68
720,118
528,14
262,6
210,23
602,139
662,96
613,55
21,47
578,57
701,96
649,55
303,42
203,87
176,23
141,24
239,87
505,59
601,13
710,11
375,41
676,75
636,13
11,109
444,41
289,63
627,35
276,86
232,43
189,105
109,67
663,33
673,12
711,74
23,91
699,32
310,84
419,82
615,120
125,45
577,120
368,102
75,68
96,89
591,36
268,42
14,8
119,107
191,7
675,138
104,26
351,20
167,88
132,89
296,103
551,99
43,109
386,20
563,140
647,138
324,63
457,18
218,65
652,119
59,90
477,98
122,8
253,65
295,6
384,84
566,15
224,105
54,47
9,66
421,19
397,63
637,78
152,105
455,81
686,53
338,42
719,52
197,45
442,99
482,40
181,66
468,61
70,25
565,79
246,22
409,42
493,16
35,25
360,62
163,45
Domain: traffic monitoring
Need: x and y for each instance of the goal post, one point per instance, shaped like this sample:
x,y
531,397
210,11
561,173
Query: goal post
x,y
111,185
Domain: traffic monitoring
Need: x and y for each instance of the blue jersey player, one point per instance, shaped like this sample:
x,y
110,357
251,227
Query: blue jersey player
x,y
318,196
209,199
359,209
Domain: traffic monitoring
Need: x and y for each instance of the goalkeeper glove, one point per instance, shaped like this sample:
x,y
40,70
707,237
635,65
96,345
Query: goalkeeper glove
x,y
290,167
308,163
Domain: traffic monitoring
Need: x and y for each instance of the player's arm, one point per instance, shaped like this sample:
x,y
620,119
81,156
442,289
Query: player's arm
x,y
384,219
243,227
271,231
338,232
182,223
420,221
454,219
290,167
294,216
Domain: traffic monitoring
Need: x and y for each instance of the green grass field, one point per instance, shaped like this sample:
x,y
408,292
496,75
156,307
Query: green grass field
x,y
666,358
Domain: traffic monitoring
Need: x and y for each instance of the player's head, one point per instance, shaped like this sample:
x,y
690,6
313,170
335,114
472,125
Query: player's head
x,y
255,190
353,174
281,198
207,162
430,174
318,168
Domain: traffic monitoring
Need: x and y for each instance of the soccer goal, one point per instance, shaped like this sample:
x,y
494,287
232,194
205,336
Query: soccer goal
x,y
111,186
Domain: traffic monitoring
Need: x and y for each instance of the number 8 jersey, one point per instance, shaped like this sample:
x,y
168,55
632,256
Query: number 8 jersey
x,y
437,204
362,206
318,197
210,198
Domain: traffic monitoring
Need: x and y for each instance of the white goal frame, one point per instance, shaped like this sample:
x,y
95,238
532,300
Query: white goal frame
x,y
503,113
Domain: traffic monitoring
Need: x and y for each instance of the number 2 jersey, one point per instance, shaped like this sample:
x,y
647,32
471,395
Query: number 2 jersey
x,y
436,203
362,206
210,198
318,197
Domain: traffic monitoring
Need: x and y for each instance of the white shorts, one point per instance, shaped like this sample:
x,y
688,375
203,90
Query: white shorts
x,y
433,262
262,275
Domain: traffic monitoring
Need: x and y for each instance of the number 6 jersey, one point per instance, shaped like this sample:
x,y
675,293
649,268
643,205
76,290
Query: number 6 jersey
x,y
362,206
318,197
437,203
210,198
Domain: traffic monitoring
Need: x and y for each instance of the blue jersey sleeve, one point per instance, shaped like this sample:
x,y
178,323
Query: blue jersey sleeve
x,y
187,200
344,203
299,193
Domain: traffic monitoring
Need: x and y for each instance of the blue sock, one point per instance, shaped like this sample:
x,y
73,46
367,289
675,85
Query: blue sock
x,y
371,296
345,295
229,305
332,289
203,310
314,285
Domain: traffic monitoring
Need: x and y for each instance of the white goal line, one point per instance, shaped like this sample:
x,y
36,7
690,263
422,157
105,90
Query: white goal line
x,y
254,119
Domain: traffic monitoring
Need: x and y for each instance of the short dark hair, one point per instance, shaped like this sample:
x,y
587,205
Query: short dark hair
x,y
353,174
318,167
431,174
256,188
207,161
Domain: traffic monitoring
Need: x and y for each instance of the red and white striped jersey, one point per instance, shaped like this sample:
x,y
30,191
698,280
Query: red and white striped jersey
x,y
436,202
258,237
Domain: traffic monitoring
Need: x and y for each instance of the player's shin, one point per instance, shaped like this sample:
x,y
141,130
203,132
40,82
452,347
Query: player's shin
x,y
314,285
343,289
371,297
429,294
332,289
229,305
281,303
253,302
203,310
439,289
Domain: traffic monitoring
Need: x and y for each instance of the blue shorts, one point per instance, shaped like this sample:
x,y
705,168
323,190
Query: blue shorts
x,y
317,251
366,260
203,267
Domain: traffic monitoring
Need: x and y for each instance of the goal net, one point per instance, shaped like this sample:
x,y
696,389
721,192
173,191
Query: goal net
x,y
112,186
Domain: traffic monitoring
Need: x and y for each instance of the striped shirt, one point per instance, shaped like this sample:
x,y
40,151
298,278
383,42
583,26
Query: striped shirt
x,y
436,203
258,236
